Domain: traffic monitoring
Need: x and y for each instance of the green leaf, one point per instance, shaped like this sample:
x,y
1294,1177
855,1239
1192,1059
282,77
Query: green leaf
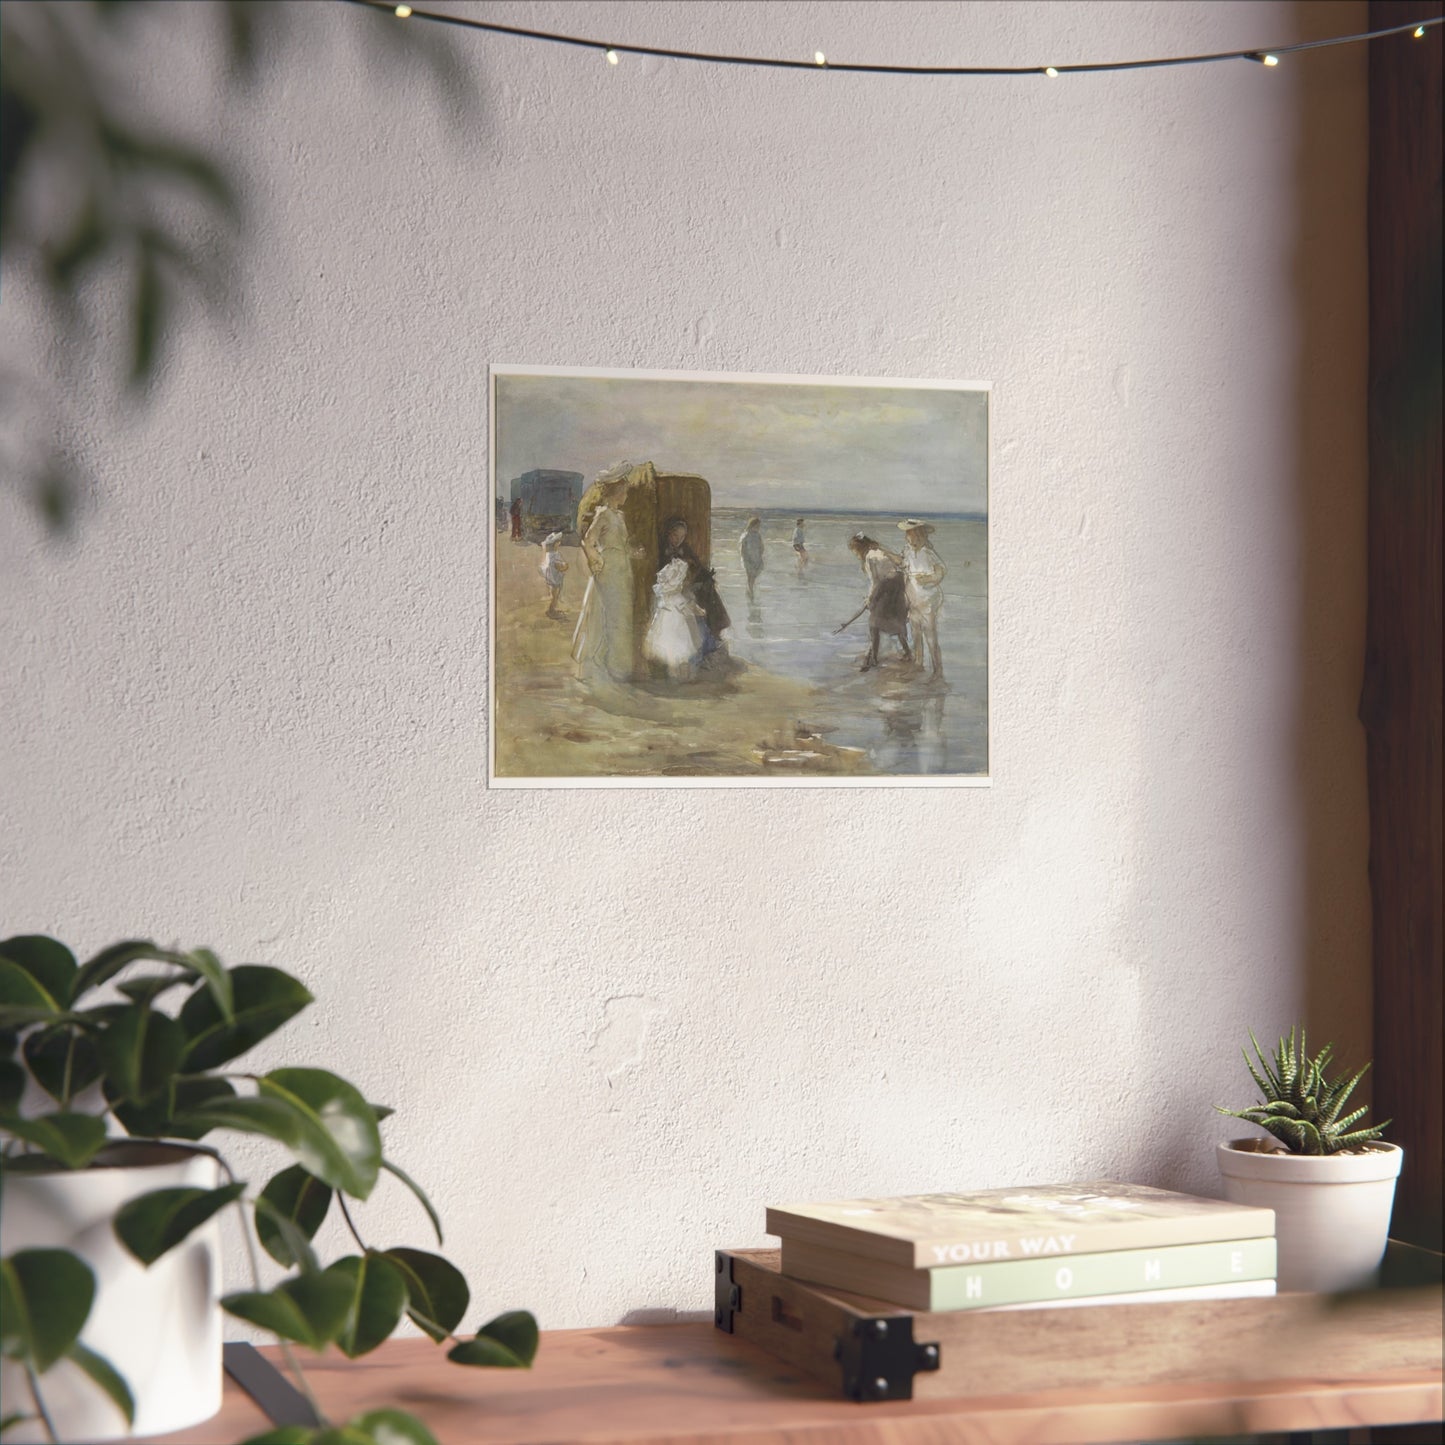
x,y
210,968
416,1189
50,964
298,1197
14,1323
147,316
284,1435
109,962
141,1051
437,1293
295,1243
148,989
176,160
73,1139
11,1421
382,1111
23,1000
163,1116
45,1299
263,999
507,1342
64,1061
341,1435
340,1143
151,1224
86,239
1360,1136
104,1374
378,1296
186,1094
392,1427
12,1086
310,1310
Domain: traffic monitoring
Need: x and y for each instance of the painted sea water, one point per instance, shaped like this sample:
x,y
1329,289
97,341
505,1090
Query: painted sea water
x,y
903,720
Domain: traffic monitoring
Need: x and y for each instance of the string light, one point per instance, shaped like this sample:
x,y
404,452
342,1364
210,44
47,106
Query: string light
x,y
1261,56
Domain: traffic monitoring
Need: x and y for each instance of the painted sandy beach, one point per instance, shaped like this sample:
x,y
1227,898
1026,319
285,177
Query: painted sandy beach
x,y
794,703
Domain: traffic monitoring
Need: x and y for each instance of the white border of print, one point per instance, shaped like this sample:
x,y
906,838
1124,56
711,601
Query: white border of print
x,y
909,780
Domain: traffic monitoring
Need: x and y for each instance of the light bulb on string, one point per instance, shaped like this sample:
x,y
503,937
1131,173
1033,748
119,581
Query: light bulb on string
x,y
1419,32
1051,72
402,11
612,57
819,58
1271,60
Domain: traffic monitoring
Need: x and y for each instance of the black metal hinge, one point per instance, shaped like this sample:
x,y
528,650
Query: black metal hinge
x,y
280,1401
727,1296
880,1358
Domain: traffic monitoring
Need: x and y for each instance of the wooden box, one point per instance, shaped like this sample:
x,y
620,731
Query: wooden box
x,y
871,1350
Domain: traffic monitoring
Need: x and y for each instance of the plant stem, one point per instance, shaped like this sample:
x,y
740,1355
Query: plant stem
x,y
346,1215
39,1403
286,1354
69,1070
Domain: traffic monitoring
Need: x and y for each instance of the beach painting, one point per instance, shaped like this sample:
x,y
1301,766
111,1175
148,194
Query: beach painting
x,y
736,580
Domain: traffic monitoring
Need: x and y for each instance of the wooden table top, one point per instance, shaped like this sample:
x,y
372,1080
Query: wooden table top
x,y
692,1384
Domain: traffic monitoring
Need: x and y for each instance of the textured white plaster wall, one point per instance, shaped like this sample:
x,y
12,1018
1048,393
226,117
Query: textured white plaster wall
x,y
245,706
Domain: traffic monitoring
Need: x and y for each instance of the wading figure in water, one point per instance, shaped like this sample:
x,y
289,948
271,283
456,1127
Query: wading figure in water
x,y
887,604
750,549
925,573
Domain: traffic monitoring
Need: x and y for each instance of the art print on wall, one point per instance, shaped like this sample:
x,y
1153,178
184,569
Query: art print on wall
x,y
737,580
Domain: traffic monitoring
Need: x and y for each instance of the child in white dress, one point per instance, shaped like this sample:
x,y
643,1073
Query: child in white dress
x,y
674,636
552,569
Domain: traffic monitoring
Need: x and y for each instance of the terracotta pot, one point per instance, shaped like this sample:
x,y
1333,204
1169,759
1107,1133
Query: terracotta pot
x,y
1331,1211
160,1327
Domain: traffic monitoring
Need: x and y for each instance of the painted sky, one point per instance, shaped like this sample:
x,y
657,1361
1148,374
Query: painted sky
x,y
801,446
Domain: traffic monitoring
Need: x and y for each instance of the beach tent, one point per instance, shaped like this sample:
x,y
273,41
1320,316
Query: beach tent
x,y
653,500
549,500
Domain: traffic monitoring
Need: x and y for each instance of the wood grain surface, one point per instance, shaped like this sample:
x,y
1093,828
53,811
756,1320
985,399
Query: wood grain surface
x,y
695,1385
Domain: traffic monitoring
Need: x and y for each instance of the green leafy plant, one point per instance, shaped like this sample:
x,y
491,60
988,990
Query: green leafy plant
x,y
1301,1107
162,1074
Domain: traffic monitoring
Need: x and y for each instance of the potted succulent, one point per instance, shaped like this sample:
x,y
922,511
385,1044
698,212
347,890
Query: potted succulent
x,y
113,1085
1331,1185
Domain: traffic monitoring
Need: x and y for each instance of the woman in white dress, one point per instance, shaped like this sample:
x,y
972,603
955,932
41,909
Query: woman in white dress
x,y
602,643
674,636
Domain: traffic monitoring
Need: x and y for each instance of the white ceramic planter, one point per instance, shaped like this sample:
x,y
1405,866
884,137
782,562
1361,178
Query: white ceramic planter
x,y
1331,1212
160,1327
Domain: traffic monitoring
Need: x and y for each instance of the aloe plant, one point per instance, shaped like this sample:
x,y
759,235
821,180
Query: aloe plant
x,y
97,1030
1301,1107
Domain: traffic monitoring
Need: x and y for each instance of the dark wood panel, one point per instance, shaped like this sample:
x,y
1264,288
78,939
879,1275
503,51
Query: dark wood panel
x,y
1401,700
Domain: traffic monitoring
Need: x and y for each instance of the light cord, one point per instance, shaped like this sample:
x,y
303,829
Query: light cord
x,y
611,49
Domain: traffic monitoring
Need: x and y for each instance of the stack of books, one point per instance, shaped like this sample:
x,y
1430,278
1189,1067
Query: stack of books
x,y
1031,1247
